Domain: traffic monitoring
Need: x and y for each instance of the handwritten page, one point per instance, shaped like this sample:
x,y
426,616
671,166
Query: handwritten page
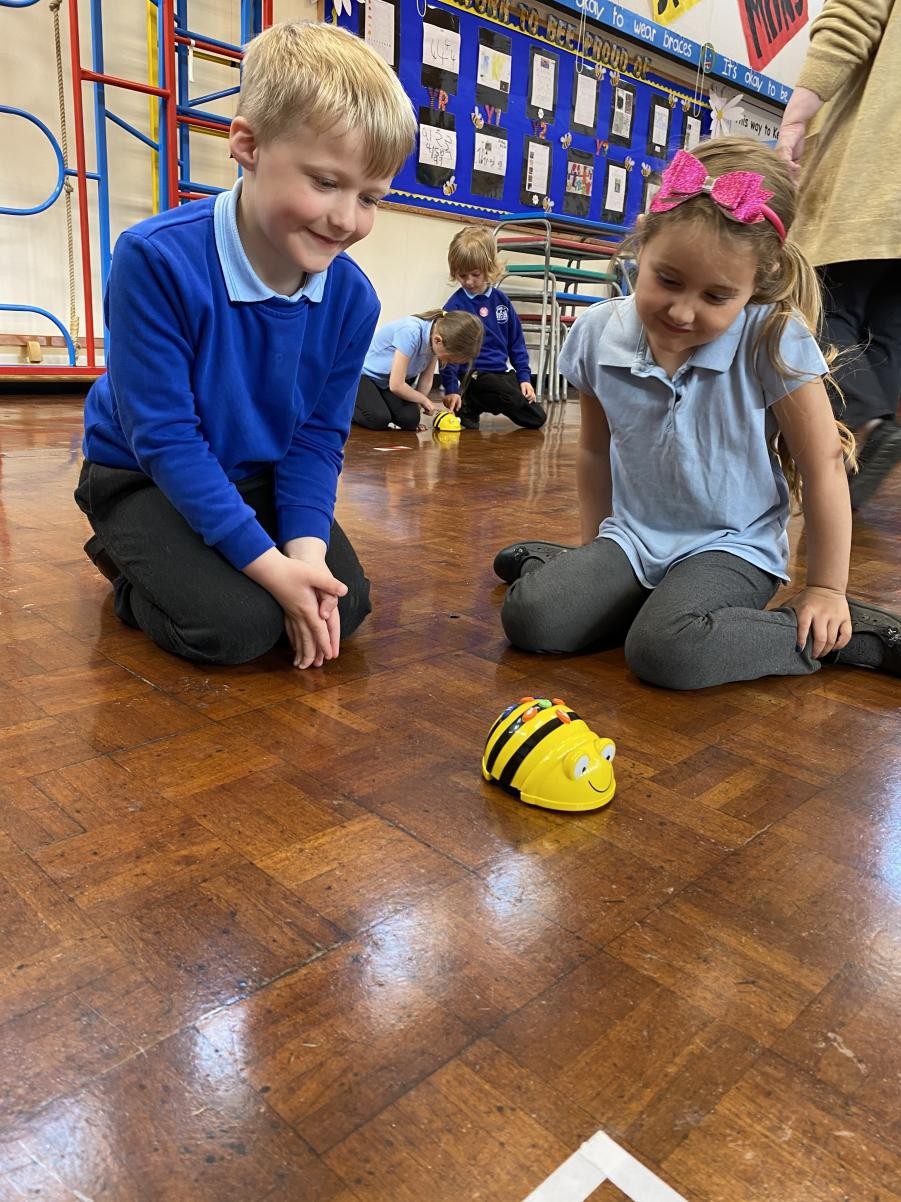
x,y
441,48
586,95
544,72
379,29
437,147
615,200
537,168
661,125
490,154
621,126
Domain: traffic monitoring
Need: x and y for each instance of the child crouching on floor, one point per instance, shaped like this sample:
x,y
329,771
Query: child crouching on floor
x,y
399,369
493,386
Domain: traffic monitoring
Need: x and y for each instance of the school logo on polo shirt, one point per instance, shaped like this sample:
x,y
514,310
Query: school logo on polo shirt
x,y
501,313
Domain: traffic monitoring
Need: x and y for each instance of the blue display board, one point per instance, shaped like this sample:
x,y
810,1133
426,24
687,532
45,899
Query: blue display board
x,y
520,108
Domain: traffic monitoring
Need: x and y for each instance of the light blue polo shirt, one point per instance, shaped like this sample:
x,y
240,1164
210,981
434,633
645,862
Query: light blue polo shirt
x,y
690,461
241,281
409,335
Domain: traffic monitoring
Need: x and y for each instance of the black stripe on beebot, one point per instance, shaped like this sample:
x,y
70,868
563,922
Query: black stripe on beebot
x,y
502,740
499,722
519,756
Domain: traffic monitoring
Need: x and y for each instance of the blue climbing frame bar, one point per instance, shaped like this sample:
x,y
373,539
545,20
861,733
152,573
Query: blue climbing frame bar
x,y
178,114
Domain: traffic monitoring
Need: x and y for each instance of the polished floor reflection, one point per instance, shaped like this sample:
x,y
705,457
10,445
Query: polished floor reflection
x,y
269,937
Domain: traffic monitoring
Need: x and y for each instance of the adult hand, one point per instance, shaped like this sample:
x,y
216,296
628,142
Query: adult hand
x,y
823,615
798,112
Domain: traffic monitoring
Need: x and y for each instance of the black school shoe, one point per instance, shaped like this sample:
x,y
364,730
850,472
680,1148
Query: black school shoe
x,y
881,452
468,415
867,619
508,564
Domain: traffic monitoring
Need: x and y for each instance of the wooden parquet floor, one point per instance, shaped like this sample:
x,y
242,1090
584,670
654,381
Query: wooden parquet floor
x,y
267,936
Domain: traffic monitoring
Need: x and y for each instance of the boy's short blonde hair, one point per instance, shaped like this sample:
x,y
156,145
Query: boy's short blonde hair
x,y
474,249
301,73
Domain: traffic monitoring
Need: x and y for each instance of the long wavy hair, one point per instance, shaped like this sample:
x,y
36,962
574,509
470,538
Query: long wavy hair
x,y
784,279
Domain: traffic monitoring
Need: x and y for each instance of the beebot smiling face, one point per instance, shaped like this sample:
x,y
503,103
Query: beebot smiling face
x,y
541,751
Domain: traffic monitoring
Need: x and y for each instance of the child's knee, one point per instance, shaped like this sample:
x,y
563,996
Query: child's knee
x,y
529,622
238,637
354,605
532,416
668,661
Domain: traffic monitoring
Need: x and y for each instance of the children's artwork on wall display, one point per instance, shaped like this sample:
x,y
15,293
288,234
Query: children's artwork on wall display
x,y
658,128
493,69
614,201
542,98
651,188
381,29
579,180
536,171
585,102
621,114
440,50
489,166
692,134
437,147
554,104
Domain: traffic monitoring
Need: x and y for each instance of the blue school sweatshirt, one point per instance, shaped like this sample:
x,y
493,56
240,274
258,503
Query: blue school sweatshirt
x,y
202,391
503,339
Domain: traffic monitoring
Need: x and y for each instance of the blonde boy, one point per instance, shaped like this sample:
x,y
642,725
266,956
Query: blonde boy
x,y
238,328
494,387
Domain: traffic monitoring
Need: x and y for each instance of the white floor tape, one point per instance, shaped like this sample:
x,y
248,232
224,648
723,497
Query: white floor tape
x,y
600,1159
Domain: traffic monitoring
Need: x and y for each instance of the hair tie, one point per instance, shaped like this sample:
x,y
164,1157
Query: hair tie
x,y
740,194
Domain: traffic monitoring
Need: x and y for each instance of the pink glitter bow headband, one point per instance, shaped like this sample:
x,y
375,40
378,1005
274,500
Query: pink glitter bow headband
x,y
740,194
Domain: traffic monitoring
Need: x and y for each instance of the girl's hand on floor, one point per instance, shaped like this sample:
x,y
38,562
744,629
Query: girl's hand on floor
x,y
822,614
527,390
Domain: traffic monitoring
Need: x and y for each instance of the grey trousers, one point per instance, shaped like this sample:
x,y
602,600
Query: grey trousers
x,y
184,594
704,624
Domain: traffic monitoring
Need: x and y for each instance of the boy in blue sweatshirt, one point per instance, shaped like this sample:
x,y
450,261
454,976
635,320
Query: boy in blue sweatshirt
x,y
492,387
237,330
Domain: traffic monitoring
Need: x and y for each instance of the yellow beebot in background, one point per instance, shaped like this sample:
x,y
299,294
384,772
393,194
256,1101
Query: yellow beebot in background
x,y
542,752
446,422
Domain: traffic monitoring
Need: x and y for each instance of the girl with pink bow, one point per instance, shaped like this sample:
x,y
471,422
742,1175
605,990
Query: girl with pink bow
x,y
704,415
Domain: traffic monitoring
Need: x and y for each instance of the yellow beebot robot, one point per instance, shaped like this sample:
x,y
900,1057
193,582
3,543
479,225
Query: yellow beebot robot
x,y
446,422
542,752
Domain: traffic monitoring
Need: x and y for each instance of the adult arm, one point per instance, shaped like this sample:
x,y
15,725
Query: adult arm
x,y
843,38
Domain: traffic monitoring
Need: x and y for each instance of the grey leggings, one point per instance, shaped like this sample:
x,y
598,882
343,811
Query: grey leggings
x,y
704,624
